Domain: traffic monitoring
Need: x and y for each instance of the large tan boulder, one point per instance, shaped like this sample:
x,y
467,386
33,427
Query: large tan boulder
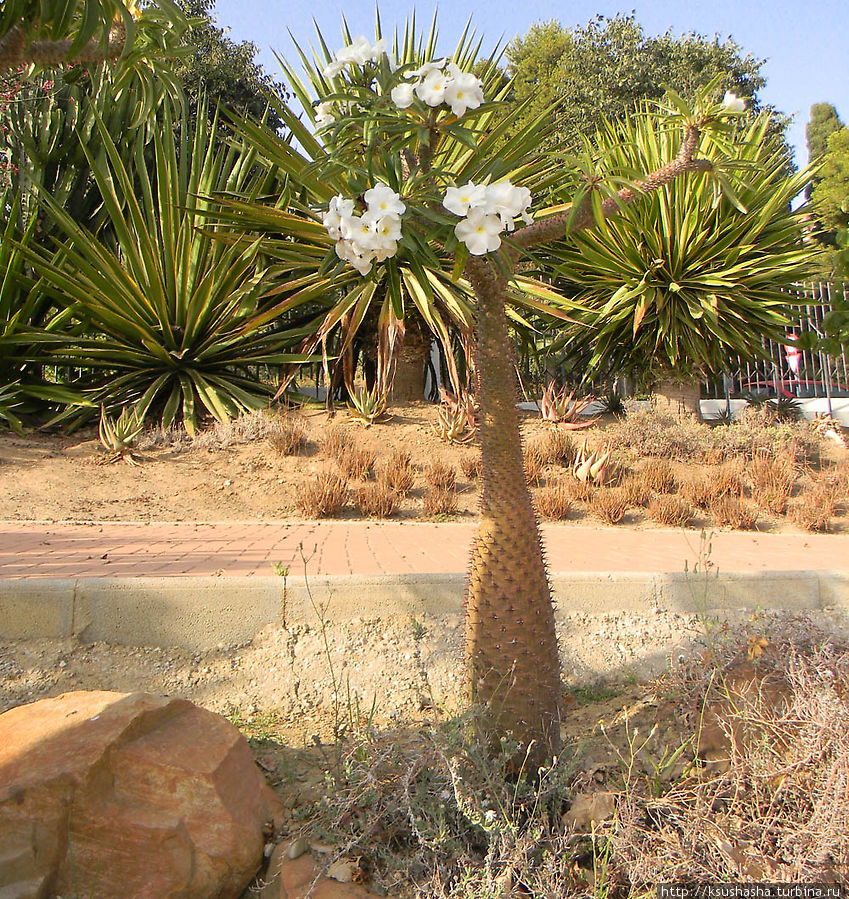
x,y
113,794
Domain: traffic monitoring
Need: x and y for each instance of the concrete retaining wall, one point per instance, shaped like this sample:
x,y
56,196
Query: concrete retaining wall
x,y
200,613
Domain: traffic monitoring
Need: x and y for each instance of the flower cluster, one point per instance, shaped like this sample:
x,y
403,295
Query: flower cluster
x,y
360,52
436,83
487,210
362,240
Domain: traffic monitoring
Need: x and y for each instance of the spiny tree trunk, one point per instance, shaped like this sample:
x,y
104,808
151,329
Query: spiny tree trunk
x,y
510,637
511,642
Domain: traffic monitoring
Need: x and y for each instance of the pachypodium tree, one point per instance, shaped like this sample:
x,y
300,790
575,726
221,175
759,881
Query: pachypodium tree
x,y
420,197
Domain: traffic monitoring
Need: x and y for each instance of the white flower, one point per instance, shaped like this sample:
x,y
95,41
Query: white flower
x,y
733,103
324,115
332,69
385,227
479,232
460,200
463,92
427,68
359,52
341,205
348,252
382,199
431,90
402,95
507,201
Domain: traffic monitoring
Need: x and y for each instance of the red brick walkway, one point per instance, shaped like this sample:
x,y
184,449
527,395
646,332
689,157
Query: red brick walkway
x,y
235,549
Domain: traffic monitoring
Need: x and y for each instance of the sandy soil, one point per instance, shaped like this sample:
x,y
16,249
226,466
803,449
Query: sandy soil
x,y
231,472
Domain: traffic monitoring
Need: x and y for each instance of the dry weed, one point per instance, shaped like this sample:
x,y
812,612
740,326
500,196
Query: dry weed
x,y
733,512
439,501
324,496
286,436
610,504
533,466
670,510
440,476
396,472
557,447
357,462
247,428
337,443
728,479
772,478
472,467
635,491
816,506
697,490
377,500
657,476
553,502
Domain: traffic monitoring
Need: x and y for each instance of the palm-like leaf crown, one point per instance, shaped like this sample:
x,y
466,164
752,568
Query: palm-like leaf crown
x,y
418,152
692,274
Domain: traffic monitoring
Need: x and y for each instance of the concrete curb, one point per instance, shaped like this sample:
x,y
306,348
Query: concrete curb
x,y
201,613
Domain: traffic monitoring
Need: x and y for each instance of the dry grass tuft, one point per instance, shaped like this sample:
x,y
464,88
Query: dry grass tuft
x,y
610,504
636,491
324,496
772,478
657,476
472,467
816,506
377,500
553,502
396,472
534,466
440,476
670,510
557,447
733,512
357,462
698,491
247,428
439,501
728,479
286,436
337,443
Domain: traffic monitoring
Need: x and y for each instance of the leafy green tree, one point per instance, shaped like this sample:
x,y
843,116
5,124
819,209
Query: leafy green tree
x,y
823,122
673,286
830,195
599,71
221,69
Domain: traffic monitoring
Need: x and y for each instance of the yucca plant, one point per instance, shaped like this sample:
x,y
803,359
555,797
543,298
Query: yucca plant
x,y
678,283
28,325
368,407
177,314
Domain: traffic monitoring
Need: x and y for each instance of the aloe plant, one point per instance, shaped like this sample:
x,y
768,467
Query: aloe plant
x,y
177,313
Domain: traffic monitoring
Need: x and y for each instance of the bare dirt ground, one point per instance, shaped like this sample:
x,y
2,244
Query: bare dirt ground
x,y
232,472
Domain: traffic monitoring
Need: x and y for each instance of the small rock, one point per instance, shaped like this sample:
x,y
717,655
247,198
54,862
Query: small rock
x,y
297,848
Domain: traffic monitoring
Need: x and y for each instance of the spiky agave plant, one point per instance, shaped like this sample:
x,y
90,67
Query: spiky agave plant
x,y
387,126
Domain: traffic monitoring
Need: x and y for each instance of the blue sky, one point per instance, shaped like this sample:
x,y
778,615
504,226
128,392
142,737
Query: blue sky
x,y
805,44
